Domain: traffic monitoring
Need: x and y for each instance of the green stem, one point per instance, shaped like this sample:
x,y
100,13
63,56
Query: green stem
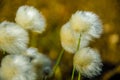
x,y
79,76
73,71
77,50
58,60
78,46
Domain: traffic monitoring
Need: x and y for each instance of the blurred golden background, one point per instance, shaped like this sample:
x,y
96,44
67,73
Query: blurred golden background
x,y
57,13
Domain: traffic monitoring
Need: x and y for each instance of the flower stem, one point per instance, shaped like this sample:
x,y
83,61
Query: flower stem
x,y
73,73
77,50
58,60
78,46
79,76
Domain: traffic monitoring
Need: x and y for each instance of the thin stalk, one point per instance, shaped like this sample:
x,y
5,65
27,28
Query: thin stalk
x,y
58,60
73,72
78,46
77,50
79,76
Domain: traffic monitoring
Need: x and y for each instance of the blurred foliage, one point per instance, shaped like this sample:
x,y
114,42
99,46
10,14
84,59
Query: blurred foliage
x,y
57,13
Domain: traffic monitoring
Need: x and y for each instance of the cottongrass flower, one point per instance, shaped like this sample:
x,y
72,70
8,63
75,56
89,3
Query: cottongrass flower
x,y
13,38
69,40
87,62
42,64
30,18
16,67
83,25
87,24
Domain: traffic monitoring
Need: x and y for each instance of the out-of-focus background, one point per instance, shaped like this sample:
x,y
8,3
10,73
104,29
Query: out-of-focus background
x,y
57,13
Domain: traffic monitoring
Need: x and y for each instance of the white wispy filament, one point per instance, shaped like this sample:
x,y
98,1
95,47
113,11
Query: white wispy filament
x,y
69,40
30,18
13,38
86,24
42,64
16,67
88,62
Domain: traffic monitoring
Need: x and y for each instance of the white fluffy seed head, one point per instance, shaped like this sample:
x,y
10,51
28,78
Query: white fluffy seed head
x,y
88,62
36,55
69,39
16,67
13,38
86,23
30,18
42,64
